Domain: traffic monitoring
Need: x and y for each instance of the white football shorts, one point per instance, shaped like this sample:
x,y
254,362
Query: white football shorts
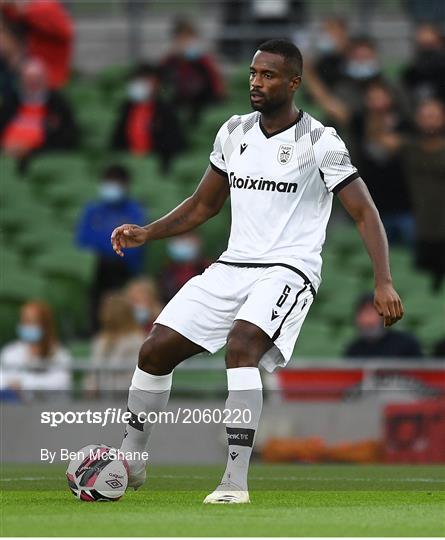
x,y
275,298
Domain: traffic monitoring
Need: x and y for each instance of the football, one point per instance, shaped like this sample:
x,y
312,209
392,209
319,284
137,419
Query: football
x,y
97,473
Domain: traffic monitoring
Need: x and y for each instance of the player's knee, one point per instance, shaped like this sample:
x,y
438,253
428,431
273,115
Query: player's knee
x,y
150,356
241,351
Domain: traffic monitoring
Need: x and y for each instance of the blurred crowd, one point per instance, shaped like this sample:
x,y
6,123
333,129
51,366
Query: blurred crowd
x,y
35,64
395,130
394,127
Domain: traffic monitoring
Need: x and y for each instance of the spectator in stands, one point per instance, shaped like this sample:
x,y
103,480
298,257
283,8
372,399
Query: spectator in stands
x,y
146,124
36,118
190,73
424,76
185,262
11,56
332,45
344,98
144,298
36,361
379,166
423,159
116,346
96,224
376,341
48,33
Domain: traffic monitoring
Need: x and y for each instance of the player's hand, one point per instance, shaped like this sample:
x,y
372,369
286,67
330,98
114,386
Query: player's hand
x,y
127,236
388,304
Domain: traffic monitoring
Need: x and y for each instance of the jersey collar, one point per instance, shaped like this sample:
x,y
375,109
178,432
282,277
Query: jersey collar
x,y
269,135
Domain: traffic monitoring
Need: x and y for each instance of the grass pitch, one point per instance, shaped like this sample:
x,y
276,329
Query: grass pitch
x,y
286,501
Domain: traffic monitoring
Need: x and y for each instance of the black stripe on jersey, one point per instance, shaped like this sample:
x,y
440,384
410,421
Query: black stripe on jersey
x,y
345,183
269,265
277,333
218,170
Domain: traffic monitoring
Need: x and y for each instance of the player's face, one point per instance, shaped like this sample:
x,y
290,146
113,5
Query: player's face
x,y
272,86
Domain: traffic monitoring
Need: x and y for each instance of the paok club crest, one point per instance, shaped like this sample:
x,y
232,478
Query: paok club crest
x,y
285,153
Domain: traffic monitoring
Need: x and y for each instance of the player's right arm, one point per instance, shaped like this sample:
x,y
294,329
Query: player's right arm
x,y
205,203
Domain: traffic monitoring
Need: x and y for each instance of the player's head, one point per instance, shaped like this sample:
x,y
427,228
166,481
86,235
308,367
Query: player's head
x,y
114,184
275,75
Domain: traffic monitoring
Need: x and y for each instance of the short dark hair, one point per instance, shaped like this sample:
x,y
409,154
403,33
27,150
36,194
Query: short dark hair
x,y
285,48
117,172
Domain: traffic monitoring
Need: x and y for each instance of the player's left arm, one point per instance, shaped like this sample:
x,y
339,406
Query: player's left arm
x,y
357,200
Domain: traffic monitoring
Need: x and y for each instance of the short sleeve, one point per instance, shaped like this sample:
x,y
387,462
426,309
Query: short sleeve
x,y
333,161
217,161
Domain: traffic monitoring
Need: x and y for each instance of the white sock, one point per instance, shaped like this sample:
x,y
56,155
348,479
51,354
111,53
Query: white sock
x,y
147,393
245,401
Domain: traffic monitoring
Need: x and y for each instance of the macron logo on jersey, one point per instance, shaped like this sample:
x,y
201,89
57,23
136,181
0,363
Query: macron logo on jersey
x,y
261,185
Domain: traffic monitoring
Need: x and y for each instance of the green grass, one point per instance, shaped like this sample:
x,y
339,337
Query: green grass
x,y
286,501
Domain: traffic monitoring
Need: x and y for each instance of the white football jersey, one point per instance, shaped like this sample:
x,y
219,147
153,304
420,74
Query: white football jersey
x,y
281,190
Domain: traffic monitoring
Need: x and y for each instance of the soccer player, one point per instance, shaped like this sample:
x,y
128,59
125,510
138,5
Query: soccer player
x,y
281,168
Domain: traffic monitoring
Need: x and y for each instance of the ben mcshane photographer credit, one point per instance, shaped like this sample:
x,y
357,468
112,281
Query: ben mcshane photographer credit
x,y
91,454
222,304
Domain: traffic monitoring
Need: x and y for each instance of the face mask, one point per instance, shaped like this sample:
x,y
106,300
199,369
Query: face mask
x,y
141,314
111,191
362,70
182,250
193,51
31,333
325,44
139,91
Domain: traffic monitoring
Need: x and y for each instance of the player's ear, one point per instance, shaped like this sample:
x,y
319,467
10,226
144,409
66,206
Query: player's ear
x,y
295,82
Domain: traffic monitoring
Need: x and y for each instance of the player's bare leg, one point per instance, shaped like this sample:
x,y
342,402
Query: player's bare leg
x,y
246,345
150,388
